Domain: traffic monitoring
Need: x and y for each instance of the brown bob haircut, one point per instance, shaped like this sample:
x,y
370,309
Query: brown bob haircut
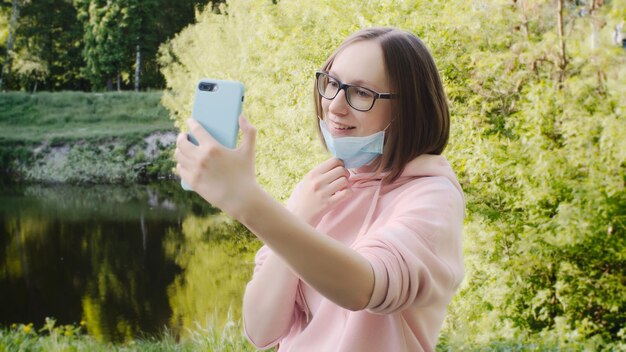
x,y
421,120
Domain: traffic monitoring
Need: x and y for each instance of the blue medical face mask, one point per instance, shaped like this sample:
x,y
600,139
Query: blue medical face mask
x,y
354,151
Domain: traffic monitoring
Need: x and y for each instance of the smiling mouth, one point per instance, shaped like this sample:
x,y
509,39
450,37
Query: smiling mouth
x,y
341,127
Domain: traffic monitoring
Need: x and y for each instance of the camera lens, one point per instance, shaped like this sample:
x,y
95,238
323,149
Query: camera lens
x,y
209,87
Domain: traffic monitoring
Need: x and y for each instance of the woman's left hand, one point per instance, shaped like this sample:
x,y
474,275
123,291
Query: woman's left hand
x,y
222,176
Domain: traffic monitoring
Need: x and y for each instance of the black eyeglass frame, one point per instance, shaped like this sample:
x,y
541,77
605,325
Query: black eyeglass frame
x,y
345,87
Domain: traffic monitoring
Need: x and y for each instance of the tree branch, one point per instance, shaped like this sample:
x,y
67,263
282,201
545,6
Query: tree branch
x,y
562,64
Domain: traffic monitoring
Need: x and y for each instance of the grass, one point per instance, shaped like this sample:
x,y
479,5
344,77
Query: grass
x,y
20,337
34,118
50,337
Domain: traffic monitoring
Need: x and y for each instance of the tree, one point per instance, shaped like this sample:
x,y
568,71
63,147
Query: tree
x,y
15,13
161,20
123,36
50,35
109,31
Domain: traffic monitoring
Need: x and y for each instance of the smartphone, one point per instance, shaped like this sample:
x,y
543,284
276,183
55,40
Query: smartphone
x,y
217,105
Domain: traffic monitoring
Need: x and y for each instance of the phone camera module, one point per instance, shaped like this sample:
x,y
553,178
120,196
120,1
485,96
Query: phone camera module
x,y
209,87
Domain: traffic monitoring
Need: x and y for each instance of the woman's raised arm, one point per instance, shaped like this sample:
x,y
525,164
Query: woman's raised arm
x,y
226,179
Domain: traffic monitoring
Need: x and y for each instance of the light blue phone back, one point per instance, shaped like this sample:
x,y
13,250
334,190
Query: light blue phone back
x,y
218,111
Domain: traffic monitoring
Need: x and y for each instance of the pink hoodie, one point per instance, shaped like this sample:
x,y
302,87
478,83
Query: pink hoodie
x,y
410,232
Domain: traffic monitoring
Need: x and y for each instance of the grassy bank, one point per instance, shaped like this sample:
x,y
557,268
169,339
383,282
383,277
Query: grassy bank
x,y
70,116
82,137
50,337
20,337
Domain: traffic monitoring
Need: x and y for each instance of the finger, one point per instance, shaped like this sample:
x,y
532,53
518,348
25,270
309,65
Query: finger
x,y
338,172
248,139
181,158
184,145
203,137
183,173
328,165
337,185
333,175
340,195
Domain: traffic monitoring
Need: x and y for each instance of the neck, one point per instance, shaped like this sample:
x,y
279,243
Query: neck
x,y
371,167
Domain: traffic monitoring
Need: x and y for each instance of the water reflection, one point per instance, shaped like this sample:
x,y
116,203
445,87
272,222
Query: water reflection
x,y
125,260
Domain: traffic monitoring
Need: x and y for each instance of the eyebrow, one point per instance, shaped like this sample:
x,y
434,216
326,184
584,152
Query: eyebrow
x,y
358,82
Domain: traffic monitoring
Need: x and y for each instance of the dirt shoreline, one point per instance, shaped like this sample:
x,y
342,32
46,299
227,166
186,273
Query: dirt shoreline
x,y
110,161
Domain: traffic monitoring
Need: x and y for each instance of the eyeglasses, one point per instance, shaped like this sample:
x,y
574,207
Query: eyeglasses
x,y
359,98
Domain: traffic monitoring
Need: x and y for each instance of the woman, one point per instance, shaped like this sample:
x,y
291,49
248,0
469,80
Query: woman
x,y
367,254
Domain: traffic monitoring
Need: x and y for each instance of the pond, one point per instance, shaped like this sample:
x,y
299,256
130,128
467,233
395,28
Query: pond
x,y
124,261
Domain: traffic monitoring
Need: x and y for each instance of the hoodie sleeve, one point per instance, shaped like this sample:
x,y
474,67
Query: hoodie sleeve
x,y
416,254
298,318
300,313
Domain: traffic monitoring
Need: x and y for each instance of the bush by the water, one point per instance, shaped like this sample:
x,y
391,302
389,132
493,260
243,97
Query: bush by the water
x,y
538,141
55,337
82,137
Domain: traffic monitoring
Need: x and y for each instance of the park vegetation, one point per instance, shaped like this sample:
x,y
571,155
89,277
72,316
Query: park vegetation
x,y
85,138
88,44
536,90
538,141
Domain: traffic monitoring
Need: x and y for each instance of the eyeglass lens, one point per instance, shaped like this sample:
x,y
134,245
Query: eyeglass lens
x,y
359,98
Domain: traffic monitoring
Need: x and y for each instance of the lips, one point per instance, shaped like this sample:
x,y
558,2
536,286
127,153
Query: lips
x,y
340,127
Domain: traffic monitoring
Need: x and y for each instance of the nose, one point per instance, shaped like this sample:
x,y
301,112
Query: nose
x,y
339,104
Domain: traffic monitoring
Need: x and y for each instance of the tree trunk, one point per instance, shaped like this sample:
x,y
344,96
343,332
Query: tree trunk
x,y
525,19
562,55
137,66
15,13
119,78
110,84
595,4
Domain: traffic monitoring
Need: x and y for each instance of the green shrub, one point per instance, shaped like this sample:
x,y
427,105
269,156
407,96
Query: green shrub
x,y
52,337
539,146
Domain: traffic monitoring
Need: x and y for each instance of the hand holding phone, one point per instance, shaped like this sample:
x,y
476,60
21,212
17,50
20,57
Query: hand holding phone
x,y
217,106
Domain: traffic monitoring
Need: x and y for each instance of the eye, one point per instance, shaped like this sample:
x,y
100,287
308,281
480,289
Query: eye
x,y
363,93
333,83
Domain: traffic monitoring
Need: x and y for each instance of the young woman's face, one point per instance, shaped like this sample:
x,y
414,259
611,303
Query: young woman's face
x,y
359,64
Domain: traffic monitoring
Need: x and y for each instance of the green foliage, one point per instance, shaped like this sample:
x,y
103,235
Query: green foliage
x,y
54,50
159,21
50,337
89,165
542,163
85,137
109,31
274,49
538,142
47,51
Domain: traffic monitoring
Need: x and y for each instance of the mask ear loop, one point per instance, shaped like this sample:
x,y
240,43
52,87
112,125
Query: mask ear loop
x,y
384,142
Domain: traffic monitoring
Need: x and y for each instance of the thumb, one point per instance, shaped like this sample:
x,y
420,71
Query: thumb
x,y
248,139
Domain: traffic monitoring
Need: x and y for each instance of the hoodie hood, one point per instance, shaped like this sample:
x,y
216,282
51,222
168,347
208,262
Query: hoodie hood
x,y
425,165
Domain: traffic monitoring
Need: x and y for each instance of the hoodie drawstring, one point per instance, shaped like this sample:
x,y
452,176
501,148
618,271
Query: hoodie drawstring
x,y
368,218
